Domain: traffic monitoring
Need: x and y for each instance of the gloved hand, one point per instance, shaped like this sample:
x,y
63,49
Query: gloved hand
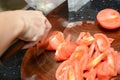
x,y
36,26
27,25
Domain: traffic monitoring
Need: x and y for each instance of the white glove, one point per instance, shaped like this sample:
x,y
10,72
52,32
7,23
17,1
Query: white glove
x,y
36,26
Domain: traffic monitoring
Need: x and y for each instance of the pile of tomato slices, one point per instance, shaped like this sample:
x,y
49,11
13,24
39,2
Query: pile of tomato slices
x,y
90,57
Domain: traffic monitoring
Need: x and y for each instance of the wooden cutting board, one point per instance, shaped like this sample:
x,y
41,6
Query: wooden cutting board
x,y
43,67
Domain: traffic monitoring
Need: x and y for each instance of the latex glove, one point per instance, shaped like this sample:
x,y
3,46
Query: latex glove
x,y
36,26
27,25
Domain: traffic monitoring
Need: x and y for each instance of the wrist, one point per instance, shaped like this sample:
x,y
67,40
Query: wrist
x,y
11,26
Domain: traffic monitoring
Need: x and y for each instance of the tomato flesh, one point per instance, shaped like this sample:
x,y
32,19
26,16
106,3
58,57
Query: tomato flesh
x,y
56,38
65,50
87,58
109,18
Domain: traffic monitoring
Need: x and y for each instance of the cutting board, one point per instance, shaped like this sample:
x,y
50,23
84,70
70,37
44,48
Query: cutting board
x,y
43,67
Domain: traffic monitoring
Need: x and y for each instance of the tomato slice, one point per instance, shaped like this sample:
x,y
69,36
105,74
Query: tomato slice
x,y
111,64
63,70
95,61
117,61
55,39
109,18
102,71
85,37
65,50
102,41
90,75
69,70
79,51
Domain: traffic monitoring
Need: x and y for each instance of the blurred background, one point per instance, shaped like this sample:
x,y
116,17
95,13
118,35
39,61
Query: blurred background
x,y
12,4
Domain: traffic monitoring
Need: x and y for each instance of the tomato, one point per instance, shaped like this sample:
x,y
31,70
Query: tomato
x,y
81,55
102,71
111,64
55,39
85,37
79,51
65,50
88,58
102,41
63,70
109,18
91,49
117,61
69,70
91,75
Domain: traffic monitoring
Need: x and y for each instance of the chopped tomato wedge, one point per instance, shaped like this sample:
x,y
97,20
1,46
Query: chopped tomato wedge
x,y
102,71
91,75
85,37
117,61
62,71
69,70
55,39
81,55
102,41
109,18
65,50
79,51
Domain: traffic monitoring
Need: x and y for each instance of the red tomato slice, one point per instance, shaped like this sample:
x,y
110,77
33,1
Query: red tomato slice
x,y
65,50
98,59
90,75
91,49
55,39
102,41
79,51
109,18
63,70
117,61
111,64
69,70
80,36
85,38
94,61
102,69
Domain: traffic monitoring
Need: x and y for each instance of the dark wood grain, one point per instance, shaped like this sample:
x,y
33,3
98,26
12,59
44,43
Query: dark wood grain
x,y
43,67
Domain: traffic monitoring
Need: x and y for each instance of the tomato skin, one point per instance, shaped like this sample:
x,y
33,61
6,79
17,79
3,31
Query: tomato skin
x,y
85,38
117,61
109,18
102,41
65,50
55,39
69,70
88,58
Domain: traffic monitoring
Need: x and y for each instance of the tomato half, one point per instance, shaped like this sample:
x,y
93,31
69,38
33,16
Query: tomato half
x,y
109,18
